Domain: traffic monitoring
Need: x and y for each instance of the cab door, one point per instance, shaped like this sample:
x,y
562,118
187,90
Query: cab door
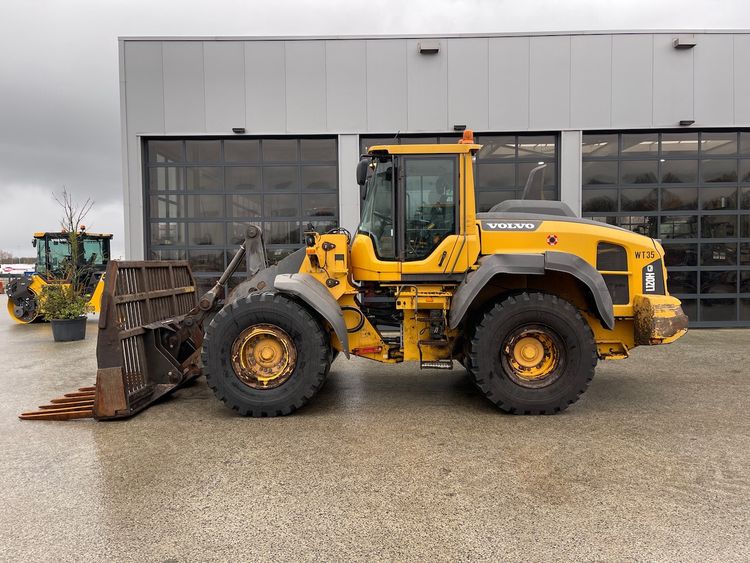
x,y
374,248
428,222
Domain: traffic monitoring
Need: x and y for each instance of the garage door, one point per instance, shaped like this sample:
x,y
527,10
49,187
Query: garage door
x,y
691,190
201,193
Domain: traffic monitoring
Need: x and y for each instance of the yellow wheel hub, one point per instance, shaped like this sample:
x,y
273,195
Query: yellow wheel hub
x,y
532,354
263,356
528,351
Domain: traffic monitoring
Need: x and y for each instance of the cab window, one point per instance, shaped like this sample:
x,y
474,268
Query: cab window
x,y
59,257
93,252
377,215
41,256
430,203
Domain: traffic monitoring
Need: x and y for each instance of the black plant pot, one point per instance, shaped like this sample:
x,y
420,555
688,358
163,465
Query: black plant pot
x,y
67,330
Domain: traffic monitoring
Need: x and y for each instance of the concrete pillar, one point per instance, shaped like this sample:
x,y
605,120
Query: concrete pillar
x,y
135,245
570,169
348,189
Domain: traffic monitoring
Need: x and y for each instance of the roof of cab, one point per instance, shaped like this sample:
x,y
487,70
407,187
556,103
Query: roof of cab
x,y
60,234
458,148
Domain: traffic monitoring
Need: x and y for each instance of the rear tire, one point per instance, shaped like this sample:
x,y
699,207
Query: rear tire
x,y
532,353
300,332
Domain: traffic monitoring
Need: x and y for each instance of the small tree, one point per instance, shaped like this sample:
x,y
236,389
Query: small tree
x,y
71,222
5,255
68,301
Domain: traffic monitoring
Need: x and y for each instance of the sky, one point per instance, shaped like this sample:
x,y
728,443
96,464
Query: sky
x,y
59,92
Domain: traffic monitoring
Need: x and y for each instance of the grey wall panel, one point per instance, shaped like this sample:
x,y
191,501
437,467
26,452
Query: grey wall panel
x,y
144,87
508,68
346,85
494,83
305,86
713,83
224,64
570,169
348,190
143,98
673,82
184,104
549,83
127,192
742,80
591,81
632,91
386,85
265,87
134,217
468,83
427,88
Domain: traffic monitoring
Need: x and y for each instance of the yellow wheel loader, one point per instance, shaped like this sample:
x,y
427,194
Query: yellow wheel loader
x,y
527,297
52,265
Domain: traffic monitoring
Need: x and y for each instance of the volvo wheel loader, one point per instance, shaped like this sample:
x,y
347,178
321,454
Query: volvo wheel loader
x,y
527,297
52,267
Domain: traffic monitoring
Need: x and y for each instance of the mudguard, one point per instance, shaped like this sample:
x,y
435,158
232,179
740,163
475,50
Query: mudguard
x,y
532,264
263,280
586,273
315,295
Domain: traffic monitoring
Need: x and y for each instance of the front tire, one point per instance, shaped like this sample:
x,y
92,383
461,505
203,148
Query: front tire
x,y
532,353
265,355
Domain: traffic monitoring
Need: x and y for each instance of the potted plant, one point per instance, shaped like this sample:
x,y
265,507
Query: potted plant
x,y
64,303
66,310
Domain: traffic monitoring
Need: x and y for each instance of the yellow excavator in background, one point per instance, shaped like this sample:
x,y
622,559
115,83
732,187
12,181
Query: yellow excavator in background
x,y
527,297
53,258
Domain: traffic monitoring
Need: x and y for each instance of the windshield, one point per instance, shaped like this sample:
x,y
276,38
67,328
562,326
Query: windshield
x,y
377,214
58,257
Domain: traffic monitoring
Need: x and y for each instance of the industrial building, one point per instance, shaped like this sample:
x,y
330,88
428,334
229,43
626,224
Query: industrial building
x,y
646,130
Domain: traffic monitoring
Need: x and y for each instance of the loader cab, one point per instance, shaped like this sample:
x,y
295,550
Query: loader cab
x,y
426,203
415,212
54,254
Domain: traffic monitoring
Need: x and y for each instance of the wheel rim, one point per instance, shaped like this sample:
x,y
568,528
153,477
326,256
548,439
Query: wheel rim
x,y
263,356
532,356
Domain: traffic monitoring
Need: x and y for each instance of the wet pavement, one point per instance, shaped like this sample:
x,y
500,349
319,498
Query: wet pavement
x,y
385,463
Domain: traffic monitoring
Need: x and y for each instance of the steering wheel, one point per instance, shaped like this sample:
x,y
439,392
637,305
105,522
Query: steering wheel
x,y
385,218
382,223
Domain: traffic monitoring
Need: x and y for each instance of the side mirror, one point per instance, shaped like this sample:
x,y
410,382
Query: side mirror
x,y
33,242
362,167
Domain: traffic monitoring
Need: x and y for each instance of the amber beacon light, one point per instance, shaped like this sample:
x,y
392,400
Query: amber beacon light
x,y
468,137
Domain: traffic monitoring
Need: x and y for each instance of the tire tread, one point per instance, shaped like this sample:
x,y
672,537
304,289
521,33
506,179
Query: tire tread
x,y
501,308
311,329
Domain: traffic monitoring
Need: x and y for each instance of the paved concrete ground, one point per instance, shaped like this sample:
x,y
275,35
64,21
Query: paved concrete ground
x,y
390,464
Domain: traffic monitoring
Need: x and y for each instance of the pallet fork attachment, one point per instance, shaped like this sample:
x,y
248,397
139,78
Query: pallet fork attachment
x,y
150,335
